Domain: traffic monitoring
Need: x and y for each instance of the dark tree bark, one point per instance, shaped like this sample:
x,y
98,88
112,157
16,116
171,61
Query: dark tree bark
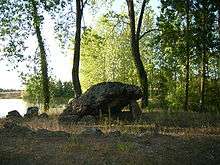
x,y
76,58
203,79
218,58
43,58
135,36
204,62
187,57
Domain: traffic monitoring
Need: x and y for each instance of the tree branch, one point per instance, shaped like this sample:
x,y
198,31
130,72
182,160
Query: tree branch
x,y
151,30
140,19
84,3
131,18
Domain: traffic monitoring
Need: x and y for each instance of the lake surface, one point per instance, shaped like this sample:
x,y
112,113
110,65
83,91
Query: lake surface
x,y
7,105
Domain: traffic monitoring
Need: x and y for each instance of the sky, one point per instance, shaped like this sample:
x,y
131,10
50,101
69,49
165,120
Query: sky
x,y
61,63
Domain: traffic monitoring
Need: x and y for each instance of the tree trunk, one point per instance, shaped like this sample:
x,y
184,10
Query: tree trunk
x,y
218,58
204,63
187,58
202,100
142,75
76,58
43,59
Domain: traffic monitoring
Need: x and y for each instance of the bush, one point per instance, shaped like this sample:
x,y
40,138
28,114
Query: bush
x,y
60,92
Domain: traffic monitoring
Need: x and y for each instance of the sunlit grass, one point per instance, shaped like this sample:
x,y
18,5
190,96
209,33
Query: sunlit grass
x,y
174,124
154,123
154,135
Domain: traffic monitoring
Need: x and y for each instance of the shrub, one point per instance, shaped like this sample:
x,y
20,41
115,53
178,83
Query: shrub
x,y
60,91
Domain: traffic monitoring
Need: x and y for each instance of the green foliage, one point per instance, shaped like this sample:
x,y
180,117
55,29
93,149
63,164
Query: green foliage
x,y
61,89
106,54
33,90
63,14
19,19
201,37
61,92
15,22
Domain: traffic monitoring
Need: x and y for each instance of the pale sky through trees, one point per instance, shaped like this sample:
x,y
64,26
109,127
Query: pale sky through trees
x,y
60,63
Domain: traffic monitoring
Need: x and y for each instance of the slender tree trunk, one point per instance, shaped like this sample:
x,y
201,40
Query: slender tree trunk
x,y
142,75
187,58
76,58
203,79
43,59
204,62
218,58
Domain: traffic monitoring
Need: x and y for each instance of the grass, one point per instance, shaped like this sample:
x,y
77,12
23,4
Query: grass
x,y
74,143
152,122
182,119
126,147
157,138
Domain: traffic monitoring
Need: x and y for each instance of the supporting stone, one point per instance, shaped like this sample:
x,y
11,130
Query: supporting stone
x,y
135,109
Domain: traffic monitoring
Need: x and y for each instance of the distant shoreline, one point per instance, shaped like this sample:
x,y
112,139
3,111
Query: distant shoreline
x,y
11,95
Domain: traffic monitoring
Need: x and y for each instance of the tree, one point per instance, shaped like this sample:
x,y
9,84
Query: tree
x,y
189,38
187,54
105,52
76,58
60,92
218,58
19,20
176,18
43,60
135,36
80,5
205,23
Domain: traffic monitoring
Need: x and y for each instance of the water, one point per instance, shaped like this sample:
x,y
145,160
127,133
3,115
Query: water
x,y
7,105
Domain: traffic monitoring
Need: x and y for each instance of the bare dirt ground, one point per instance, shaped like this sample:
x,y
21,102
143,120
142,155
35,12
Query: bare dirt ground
x,y
46,142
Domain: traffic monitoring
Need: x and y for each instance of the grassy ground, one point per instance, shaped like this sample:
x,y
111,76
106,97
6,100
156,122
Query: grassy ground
x,y
157,138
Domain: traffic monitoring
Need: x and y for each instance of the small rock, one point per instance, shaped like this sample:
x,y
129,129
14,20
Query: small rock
x,y
92,132
14,115
31,112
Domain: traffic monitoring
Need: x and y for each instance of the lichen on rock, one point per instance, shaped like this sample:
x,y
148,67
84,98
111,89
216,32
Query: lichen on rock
x,y
104,98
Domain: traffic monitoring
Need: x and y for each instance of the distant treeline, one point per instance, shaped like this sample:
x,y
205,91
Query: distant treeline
x,y
60,92
10,94
9,90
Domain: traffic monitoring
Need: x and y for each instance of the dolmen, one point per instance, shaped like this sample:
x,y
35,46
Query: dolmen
x,y
103,98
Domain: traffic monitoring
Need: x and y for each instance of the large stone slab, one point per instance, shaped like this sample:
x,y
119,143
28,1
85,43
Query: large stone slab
x,y
104,98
